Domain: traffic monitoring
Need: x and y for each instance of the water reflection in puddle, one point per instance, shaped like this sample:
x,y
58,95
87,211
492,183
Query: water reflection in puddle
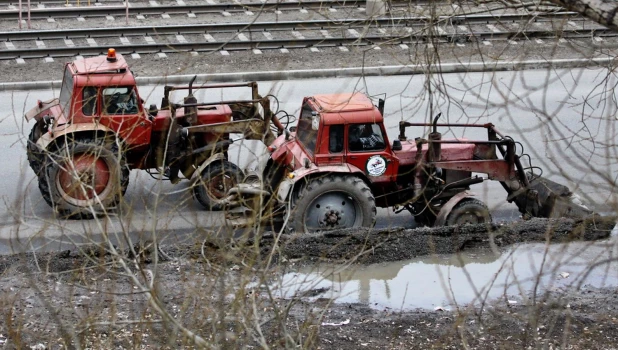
x,y
468,277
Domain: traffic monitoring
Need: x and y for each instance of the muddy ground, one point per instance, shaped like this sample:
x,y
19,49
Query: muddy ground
x,y
96,297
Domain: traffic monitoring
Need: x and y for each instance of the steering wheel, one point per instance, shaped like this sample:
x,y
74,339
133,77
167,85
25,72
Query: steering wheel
x,y
115,97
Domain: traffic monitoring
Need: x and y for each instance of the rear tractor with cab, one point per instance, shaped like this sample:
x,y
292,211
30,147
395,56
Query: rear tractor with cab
x,y
84,142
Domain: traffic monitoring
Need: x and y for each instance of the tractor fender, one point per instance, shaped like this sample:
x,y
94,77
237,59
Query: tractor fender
x,y
448,207
287,184
46,139
207,162
41,109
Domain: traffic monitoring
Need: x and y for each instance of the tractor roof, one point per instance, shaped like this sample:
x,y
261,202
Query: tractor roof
x,y
343,102
336,108
102,72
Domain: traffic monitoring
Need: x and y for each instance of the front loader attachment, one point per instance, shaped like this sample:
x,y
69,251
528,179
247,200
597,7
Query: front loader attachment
x,y
547,199
534,195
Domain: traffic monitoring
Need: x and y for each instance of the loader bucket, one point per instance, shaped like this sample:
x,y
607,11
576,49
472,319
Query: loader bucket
x,y
548,199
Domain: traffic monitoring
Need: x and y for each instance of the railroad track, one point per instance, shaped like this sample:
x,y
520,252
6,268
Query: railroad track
x,y
99,11
412,22
289,35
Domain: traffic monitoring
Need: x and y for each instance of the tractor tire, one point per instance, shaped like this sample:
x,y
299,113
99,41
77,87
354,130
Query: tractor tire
x,y
469,211
215,181
35,154
332,202
84,178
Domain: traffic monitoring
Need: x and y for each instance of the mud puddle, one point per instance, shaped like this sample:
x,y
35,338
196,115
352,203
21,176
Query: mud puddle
x,y
469,277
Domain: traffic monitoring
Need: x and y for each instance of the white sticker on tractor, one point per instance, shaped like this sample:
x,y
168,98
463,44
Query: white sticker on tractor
x,y
376,166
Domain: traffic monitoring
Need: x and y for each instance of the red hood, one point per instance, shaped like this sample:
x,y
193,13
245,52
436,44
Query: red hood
x,y
288,152
49,107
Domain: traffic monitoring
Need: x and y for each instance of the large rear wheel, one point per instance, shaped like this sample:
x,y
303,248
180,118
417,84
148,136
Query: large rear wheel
x,y
34,152
215,182
84,178
332,202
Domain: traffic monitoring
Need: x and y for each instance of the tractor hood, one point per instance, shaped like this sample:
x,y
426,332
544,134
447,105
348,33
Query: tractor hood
x,y
289,152
49,107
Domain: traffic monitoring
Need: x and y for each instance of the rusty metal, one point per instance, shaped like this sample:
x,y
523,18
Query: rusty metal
x,y
252,128
496,169
435,147
403,125
214,86
501,142
203,104
448,207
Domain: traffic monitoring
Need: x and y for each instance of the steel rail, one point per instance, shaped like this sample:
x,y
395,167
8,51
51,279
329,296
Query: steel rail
x,y
92,2
258,26
187,29
64,2
71,12
283,43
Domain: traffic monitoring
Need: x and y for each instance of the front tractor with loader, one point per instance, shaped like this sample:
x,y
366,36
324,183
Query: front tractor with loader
x,y
84,143
339,165
331,172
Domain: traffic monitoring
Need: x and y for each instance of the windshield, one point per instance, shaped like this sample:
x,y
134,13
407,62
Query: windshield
x,y
65,91
306,131
119,100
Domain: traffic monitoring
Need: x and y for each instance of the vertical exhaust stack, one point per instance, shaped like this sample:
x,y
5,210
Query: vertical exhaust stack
x,y
190,105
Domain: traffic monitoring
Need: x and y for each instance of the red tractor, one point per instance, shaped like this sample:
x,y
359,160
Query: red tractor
x,y
339,166
85,141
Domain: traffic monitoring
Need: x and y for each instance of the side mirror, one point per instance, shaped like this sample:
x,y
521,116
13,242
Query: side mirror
x,y
397,145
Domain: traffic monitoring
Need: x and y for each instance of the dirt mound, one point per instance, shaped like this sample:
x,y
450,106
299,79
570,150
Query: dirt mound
x,y
373,246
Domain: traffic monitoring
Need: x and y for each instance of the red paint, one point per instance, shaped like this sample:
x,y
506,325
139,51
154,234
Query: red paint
x,y
450,151
93,175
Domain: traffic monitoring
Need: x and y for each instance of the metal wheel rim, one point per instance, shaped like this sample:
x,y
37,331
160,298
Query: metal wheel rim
x,y
84,178
332,210
470,217
218,186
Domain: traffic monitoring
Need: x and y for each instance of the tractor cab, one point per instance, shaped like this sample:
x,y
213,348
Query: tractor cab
x,y
102,90
346,130
98,96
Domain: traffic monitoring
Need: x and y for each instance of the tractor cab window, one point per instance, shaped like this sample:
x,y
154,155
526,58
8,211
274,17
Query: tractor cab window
x,y
89,100
66,90
307,130
335,139
365,137
119,100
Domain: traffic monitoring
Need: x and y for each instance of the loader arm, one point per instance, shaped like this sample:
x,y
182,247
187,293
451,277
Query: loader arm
x,y
251,117
534,195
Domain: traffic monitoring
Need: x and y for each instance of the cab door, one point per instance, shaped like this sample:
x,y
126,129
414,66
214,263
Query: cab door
x,y
331,149
121,110
367,148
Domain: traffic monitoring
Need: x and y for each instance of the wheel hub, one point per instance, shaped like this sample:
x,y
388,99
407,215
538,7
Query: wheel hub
x,y
468,218
219,185
84,177
331,218
331,210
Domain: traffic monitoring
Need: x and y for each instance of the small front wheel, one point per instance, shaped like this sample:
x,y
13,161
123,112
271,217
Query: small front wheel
x,y
469,211
215,182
